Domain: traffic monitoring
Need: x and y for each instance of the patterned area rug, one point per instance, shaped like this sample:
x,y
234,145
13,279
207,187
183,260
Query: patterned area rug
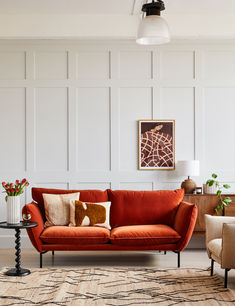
x,y
114,286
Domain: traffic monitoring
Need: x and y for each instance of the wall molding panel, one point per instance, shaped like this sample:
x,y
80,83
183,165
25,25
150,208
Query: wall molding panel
x,y
69,112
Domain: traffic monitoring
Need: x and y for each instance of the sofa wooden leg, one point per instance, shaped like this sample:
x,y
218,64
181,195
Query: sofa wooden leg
x,y
178,259
164,252
41,260
226,278
212,267
53,253
41,253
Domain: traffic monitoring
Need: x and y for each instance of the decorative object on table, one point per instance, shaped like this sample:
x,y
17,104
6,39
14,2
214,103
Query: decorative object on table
x,y
198,190
188,168
26,218
156,144
117,286
90,214
224,201
153,29
18,271
210,187
57,208
13,191
220,233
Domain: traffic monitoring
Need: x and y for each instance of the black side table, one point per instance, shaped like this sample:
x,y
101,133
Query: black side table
x,y
18,271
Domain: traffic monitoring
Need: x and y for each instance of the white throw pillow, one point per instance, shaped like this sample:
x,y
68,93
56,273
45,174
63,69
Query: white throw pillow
x,y
57,207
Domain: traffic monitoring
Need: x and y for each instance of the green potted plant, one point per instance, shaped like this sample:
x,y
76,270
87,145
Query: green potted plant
x,y
223,201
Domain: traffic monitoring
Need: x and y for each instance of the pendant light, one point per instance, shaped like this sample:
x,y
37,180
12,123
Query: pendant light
x,y
153,29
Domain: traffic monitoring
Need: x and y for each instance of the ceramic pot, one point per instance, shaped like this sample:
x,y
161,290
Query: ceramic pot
x,y
13,209
209,189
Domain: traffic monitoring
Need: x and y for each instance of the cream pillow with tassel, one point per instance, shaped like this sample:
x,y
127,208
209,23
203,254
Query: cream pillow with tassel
x,y
57,207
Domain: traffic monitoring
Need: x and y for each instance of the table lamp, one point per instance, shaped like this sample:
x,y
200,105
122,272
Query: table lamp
x,y
188,168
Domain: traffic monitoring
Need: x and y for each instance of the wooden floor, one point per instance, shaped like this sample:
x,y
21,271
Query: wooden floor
x,y
189,258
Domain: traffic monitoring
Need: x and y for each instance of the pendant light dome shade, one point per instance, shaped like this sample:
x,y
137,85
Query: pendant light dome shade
x,y
153,29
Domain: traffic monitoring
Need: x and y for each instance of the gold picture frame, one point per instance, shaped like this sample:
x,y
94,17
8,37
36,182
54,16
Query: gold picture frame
x,y
156,144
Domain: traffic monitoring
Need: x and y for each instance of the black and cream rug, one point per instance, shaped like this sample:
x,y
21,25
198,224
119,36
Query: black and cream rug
x,y
114,286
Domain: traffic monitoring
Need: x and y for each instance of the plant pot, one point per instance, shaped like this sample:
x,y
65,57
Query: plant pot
x,y
13,209
209,189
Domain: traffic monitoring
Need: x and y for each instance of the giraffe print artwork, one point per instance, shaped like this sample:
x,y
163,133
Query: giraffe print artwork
x,y
156,145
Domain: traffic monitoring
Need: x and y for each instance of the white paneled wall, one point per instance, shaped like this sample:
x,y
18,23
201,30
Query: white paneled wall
x,y
69,112
51,129
93,129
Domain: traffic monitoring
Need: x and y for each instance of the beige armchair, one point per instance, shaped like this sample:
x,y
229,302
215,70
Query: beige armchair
x,y
220,242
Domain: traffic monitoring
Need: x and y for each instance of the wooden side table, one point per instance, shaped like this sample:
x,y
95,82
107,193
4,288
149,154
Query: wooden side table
x,y
206,204
18,271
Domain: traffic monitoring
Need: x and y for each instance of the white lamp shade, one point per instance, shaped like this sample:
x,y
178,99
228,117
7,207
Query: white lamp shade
x,y
188,167
153,30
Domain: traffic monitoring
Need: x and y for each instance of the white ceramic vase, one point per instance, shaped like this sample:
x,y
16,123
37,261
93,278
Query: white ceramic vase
x,y
209,189
13,209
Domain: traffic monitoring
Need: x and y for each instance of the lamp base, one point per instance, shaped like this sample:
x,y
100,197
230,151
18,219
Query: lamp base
x,y
189,186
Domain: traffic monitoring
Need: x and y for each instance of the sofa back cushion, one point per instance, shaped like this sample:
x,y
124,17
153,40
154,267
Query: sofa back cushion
x,y
85,195
144,207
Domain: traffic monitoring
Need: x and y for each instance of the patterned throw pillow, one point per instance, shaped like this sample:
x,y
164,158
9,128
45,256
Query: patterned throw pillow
x,y
57,207
90,214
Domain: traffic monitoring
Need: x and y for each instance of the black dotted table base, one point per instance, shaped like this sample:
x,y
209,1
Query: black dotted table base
x,y
15,272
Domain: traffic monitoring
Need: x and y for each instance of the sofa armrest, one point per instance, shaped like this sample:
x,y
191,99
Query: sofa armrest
x,y
228,243
184,223
36,216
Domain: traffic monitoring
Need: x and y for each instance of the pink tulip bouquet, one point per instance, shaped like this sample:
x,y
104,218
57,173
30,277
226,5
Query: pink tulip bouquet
x,y
15,189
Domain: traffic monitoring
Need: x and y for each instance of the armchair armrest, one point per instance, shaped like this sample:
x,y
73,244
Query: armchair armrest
x,y
228,243
36,216
214,226
184,223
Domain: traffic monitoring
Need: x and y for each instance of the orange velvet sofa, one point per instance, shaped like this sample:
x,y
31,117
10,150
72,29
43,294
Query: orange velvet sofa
x,y
140,220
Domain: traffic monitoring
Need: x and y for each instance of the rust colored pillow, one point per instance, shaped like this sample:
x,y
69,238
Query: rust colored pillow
x,y
89,214
144,207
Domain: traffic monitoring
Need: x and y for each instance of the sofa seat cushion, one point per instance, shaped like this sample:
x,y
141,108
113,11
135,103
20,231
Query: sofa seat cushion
x,y
139,235
76,235
215,247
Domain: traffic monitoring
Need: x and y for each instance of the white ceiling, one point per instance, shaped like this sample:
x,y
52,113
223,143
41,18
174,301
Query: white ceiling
x,y
120,7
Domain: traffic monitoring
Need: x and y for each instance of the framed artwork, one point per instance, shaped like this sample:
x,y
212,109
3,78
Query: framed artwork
x,y
156,144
